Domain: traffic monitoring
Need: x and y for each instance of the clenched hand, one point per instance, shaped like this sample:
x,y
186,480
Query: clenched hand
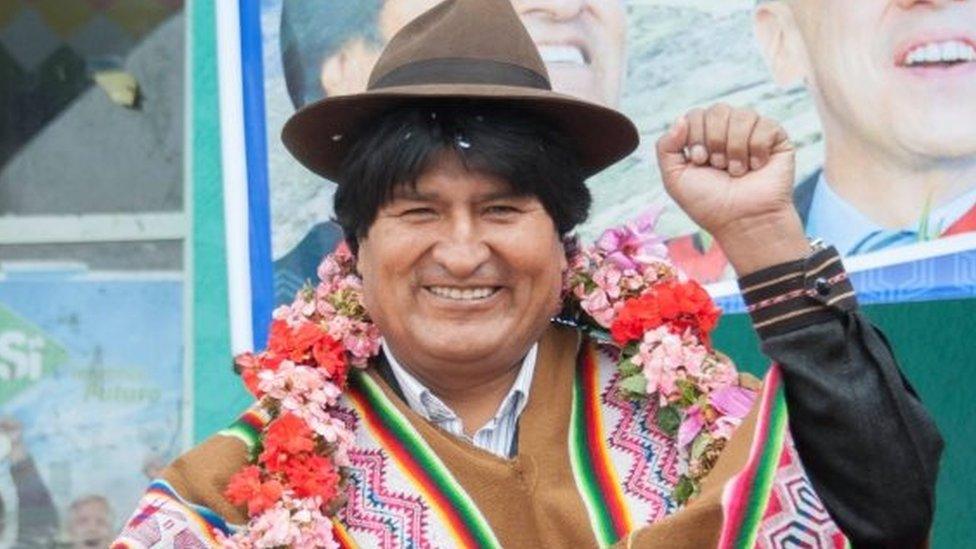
x,y
732,172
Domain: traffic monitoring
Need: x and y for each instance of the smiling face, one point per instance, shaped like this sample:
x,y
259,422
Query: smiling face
x,y
900,74
460,275
90,523
583,42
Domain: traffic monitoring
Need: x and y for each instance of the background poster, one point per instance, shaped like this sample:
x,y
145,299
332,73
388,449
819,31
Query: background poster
x,y
95,246
654,60
91,377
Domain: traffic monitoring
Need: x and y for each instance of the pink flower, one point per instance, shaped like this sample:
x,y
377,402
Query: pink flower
x,y
635,244
690,426
292,522
608,278
720,373
597,305
724,427
667,357
732,400
363,344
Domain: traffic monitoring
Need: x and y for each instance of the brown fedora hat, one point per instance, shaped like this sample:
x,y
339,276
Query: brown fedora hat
x,y
459,50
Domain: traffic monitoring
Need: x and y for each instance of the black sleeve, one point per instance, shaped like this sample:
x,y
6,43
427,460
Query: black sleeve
x,y
868,445
37,520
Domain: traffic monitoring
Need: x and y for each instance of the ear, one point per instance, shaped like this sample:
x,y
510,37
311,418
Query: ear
x,y
781,43
360,253
347,70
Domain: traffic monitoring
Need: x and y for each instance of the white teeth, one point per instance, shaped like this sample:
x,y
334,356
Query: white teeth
x,y
952,51
462,294
562,54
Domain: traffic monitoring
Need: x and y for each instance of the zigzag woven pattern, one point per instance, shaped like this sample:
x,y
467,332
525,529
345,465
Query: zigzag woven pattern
x,y
653,472
393,518
795,516
639,448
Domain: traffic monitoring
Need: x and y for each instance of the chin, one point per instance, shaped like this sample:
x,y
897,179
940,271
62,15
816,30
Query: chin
x,y
465,342
944,135
466,348
581,83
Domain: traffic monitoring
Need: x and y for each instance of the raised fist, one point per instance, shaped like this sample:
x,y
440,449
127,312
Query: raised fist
x,y
732,172
12,429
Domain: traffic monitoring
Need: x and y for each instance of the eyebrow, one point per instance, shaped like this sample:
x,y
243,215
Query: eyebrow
x,y
501,195
414,194
408,192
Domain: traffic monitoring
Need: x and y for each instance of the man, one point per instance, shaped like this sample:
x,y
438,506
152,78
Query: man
x,y
893,82
90,523
459,173
37,520
329,49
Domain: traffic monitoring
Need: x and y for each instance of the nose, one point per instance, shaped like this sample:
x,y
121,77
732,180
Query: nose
x,y
462,249
906,4
560,10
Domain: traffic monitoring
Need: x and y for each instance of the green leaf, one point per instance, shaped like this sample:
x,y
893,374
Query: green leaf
x,y
689,393
923,224
684,490
669,420
627,368
706,240
635,385
699,445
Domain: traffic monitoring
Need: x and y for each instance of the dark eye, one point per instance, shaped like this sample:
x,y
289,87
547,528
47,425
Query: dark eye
x,y
419,212
501,209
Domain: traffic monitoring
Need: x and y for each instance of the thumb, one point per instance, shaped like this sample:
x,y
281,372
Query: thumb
x,y
782,143
671,149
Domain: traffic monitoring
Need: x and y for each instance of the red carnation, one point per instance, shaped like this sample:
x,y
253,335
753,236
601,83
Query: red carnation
x,y
312,475
303,340
638,315
279,337
680,305
330,355
248,365
694,309
286,437
246,487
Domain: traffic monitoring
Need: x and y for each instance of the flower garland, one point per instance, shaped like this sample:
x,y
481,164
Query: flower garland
x,y
623,292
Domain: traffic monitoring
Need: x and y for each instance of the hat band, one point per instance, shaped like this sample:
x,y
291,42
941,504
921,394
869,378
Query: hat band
x,y
458,70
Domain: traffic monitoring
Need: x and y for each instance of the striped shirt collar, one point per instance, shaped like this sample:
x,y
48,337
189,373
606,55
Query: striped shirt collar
x,y
498,434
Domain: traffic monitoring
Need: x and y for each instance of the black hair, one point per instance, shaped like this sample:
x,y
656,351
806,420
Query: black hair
x,y
312,31
519,147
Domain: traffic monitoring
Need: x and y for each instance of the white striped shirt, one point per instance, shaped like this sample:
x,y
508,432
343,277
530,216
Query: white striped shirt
x,y
498,434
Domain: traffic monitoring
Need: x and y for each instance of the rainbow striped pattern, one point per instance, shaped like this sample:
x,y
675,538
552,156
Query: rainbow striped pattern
x,y
248,428
164,519
420,465
746,496
342,536
748,515
596,478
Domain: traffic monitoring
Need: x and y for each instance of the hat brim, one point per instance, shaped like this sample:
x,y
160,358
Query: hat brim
x,y
320,134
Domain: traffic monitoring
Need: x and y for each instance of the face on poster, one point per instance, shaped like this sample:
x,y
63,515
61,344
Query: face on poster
x,y
875,94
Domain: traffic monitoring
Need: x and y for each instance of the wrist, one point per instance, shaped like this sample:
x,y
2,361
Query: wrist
x,y
757,243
